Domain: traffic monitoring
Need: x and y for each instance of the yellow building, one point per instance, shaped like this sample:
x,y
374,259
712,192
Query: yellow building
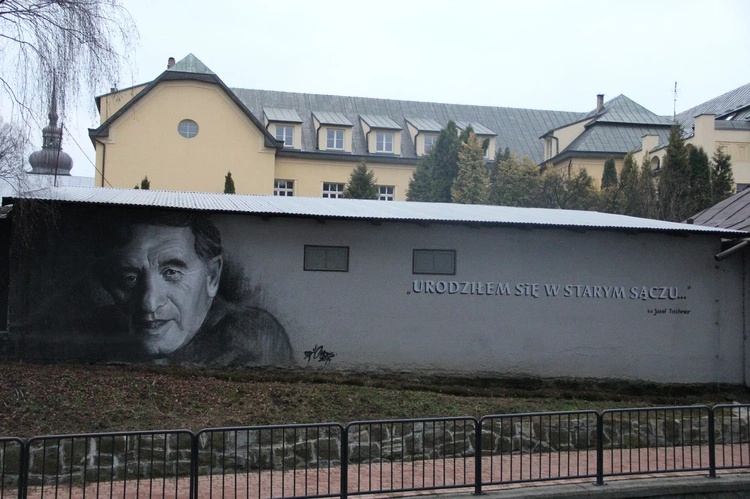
x,y
186,129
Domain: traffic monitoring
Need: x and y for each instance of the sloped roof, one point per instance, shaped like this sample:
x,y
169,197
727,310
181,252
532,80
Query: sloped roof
x,y
189,68
624,110
285,115
425,124
722,105
358,209
606,138
329,118
191,64
517,129
732,213
478,128
383,122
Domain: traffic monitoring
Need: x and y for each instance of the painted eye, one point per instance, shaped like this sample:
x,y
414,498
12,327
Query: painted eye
x,y
128,280
170,274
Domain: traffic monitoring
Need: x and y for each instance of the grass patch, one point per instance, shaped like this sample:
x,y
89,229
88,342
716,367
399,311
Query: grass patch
x,y
69,398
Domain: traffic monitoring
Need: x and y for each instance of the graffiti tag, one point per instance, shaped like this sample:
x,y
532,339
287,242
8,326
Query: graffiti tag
x,y
320,354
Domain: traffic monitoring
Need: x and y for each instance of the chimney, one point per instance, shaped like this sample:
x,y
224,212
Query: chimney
x,y
170,62
599,102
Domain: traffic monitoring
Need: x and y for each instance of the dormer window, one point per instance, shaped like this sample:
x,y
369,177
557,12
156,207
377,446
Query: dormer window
x,y
429,142
333,130
335,139
384,142
383,135
285,125
285,133
482,133
424,133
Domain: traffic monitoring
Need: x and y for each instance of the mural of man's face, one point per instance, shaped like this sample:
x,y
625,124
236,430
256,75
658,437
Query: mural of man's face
x,y
163,285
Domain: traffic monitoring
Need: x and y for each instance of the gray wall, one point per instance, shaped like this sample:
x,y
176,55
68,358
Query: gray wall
x,y
372,318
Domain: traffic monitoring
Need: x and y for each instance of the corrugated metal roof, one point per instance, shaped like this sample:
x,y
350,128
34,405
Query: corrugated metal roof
x,y
330,118
478,128
286,115
425,124
380,122
364,209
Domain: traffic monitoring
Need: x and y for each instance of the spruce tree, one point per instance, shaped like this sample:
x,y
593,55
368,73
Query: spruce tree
x,y
700,179
647,206
514,182
674,182
609,175
145,184
362,183
228,183
629,186
433,178
473,178
722,180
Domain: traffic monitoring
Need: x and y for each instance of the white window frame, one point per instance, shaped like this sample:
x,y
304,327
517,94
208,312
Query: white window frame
x,y
384,142
283,187
285,133
386,192
432,139
188,128
334,137
333,190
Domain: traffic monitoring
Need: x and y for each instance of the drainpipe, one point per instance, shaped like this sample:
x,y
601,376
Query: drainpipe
x,y
104,157
730,251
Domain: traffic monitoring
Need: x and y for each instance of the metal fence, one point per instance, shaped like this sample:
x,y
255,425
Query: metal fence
x,y
379,457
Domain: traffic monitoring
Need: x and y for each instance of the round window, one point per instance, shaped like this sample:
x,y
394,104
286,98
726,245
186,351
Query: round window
x,y
188,128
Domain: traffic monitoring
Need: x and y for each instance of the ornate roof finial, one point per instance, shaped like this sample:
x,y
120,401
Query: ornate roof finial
x,y
51,160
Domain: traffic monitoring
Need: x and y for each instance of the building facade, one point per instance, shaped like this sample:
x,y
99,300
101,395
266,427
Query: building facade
x,y
186,129
371,286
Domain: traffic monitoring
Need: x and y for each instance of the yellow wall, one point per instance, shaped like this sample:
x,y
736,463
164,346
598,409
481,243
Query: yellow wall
x,y
145,142
565,136
309,175
111,103
594,167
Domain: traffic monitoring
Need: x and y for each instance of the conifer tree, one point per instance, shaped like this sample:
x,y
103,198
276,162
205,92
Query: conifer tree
x,y
473,179
228,183
609,175
436,170
647,205
700,179
629,183
145,184
722,180
362,183
674,182
514,182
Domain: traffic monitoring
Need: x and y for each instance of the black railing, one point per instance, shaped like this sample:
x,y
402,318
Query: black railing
x,y
379,457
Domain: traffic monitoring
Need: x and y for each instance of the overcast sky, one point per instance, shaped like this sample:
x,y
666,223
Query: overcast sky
x,y
525,53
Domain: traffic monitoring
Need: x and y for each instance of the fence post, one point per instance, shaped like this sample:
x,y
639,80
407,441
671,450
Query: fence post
x,y
193,465
345,462
599,449
477,457
23,477
711,443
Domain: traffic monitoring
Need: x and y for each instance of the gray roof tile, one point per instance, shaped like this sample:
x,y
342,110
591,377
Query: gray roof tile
x,y
517,129
285,115
332,118
478,128
425,124
738,98
380,122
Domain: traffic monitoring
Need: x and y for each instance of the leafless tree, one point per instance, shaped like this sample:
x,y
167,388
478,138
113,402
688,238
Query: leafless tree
x,y
80,45
12,146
